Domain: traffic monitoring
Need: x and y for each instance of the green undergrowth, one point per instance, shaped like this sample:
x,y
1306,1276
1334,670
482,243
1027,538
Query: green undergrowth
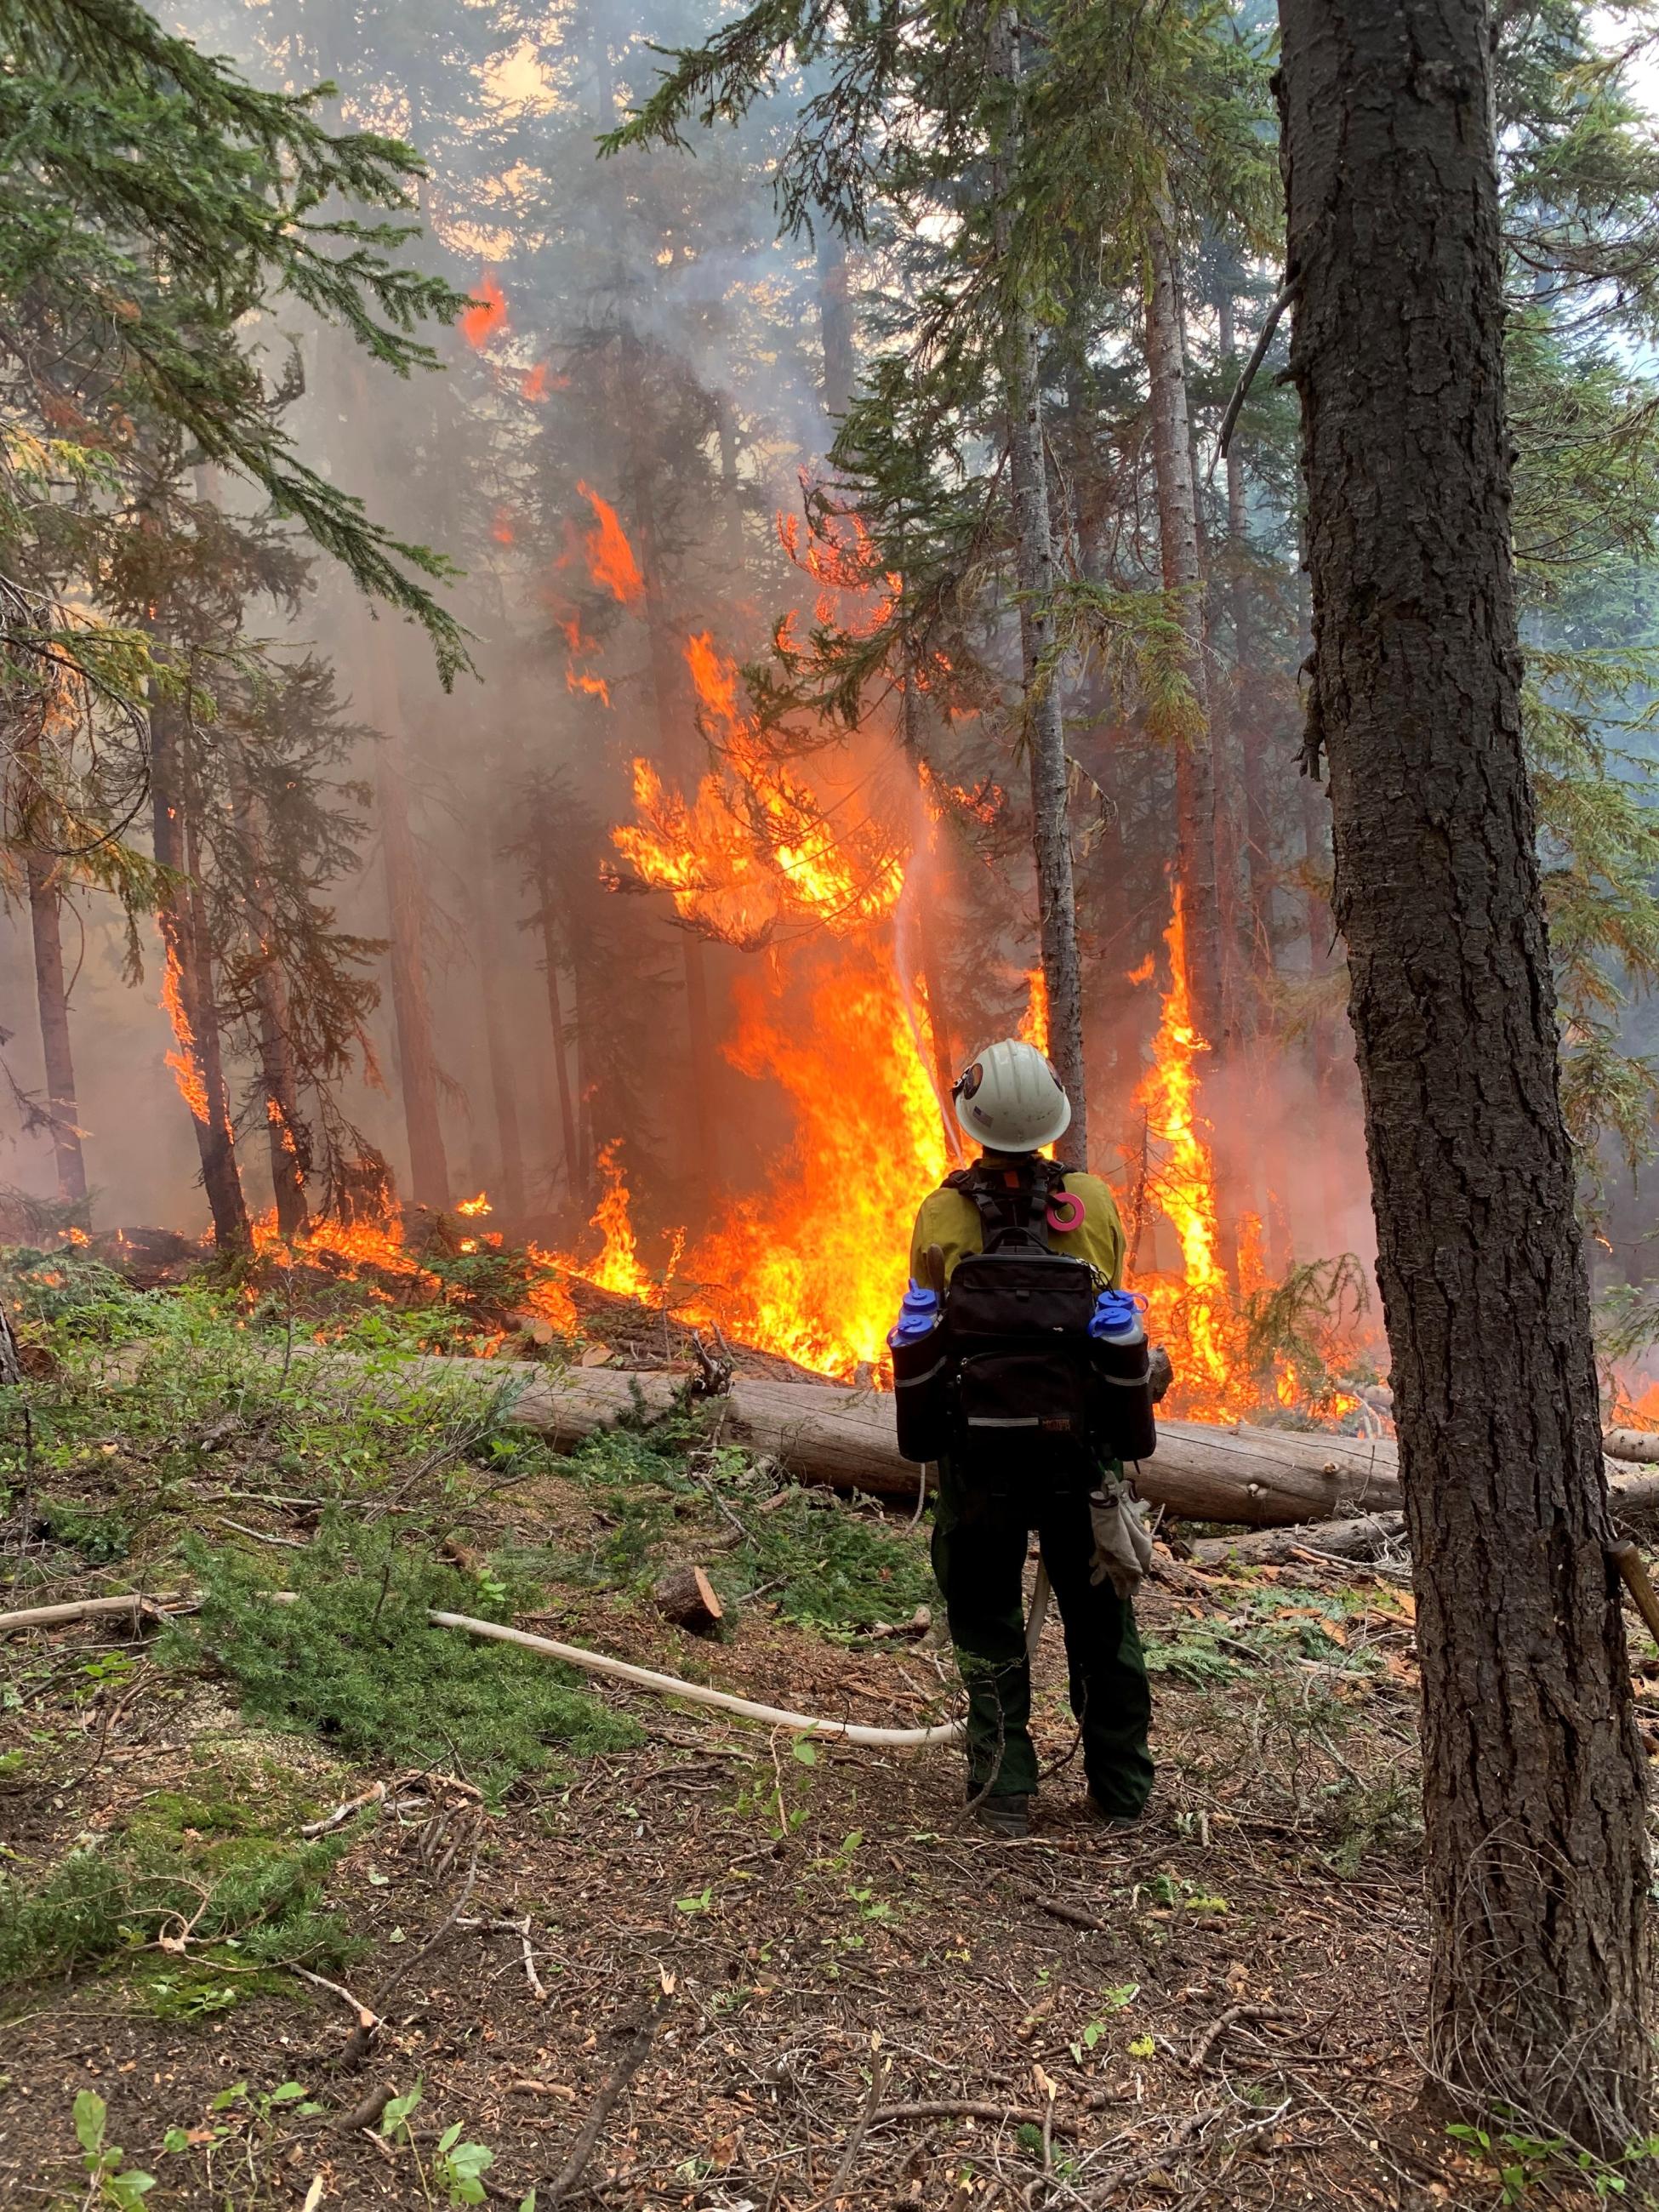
x,y
354,1661
823,1563
198,1896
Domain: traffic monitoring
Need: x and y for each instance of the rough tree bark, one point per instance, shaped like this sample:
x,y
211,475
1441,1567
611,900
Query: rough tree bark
x,y
1036,565
41,875
1532,1771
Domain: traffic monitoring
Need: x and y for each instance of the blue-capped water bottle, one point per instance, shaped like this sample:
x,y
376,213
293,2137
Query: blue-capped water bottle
x,y
920,1364
1122,1361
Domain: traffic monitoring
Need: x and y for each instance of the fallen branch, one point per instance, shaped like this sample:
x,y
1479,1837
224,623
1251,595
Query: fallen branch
x,y
89,1609
1640,1445
1218,2027
1074,1916
367,2020
963,2108
632,2057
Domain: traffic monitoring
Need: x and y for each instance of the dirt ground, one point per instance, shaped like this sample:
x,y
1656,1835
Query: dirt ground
x,y
832,1988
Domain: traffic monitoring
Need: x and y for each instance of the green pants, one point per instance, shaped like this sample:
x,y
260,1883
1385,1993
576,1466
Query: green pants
x,y
980,1543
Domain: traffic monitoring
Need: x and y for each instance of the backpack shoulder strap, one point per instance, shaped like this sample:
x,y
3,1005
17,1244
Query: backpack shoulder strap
x,y
1012,1203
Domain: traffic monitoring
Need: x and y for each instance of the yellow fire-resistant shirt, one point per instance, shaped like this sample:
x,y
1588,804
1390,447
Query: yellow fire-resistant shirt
x,y
951,1221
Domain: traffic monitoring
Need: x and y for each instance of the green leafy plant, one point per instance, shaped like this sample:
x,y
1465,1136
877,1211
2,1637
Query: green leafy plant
x,y
109,2180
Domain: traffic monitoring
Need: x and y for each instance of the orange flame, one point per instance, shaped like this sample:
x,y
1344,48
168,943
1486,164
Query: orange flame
x,y
593,687
754,847
481,320
618,1268
1033,1024
501,528
475,1206
610,559
185,1063
536,383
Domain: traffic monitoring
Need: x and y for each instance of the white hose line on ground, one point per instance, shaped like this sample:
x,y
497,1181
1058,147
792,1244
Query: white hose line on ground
x,y
699,1694
621,1670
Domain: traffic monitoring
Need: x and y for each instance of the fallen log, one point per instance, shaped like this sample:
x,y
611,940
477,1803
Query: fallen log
x,y
1364,1538
1639,1444
844,1436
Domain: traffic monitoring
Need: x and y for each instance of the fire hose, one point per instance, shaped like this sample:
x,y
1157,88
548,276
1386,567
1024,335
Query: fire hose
x,y
699,1694
591,1663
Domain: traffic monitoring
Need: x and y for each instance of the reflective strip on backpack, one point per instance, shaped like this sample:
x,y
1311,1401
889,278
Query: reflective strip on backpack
x,y
1005,1421
909,1381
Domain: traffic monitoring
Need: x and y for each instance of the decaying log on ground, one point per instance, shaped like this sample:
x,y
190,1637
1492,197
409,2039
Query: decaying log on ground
x,y
1370,1536
1639,1444
685,1596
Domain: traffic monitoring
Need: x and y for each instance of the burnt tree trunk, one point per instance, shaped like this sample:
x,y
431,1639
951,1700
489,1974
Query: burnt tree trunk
x,y
1532,1771
1195,793
41,874
197,1062
1045,733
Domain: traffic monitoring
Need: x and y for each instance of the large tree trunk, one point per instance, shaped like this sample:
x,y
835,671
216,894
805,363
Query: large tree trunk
x,y
1045,733
45,917
289,1140
1178,514
677,748
1195,792
575,1168
834,320
188,989
502,1085
927,876
411,1011
1248,719
1533,1774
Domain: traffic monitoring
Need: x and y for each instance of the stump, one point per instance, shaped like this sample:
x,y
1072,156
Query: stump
x,y
686,1597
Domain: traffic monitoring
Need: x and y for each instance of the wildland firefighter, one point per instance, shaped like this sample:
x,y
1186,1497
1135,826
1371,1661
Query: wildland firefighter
x,y
1021,1367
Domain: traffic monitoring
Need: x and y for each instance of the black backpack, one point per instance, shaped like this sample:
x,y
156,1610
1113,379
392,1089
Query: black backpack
x,y
1020,1393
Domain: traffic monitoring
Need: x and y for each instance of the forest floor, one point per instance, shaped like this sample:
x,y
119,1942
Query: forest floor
x,y
809,1980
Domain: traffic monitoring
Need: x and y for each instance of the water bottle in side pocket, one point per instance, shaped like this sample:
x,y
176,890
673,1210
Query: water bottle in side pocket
x,y
917,1343
1123,1370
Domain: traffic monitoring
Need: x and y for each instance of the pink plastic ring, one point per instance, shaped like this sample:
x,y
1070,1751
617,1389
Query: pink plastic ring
x,y
1065,1211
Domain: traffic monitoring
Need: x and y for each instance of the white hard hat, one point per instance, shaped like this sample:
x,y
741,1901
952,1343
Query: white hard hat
x,y
1010,1099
